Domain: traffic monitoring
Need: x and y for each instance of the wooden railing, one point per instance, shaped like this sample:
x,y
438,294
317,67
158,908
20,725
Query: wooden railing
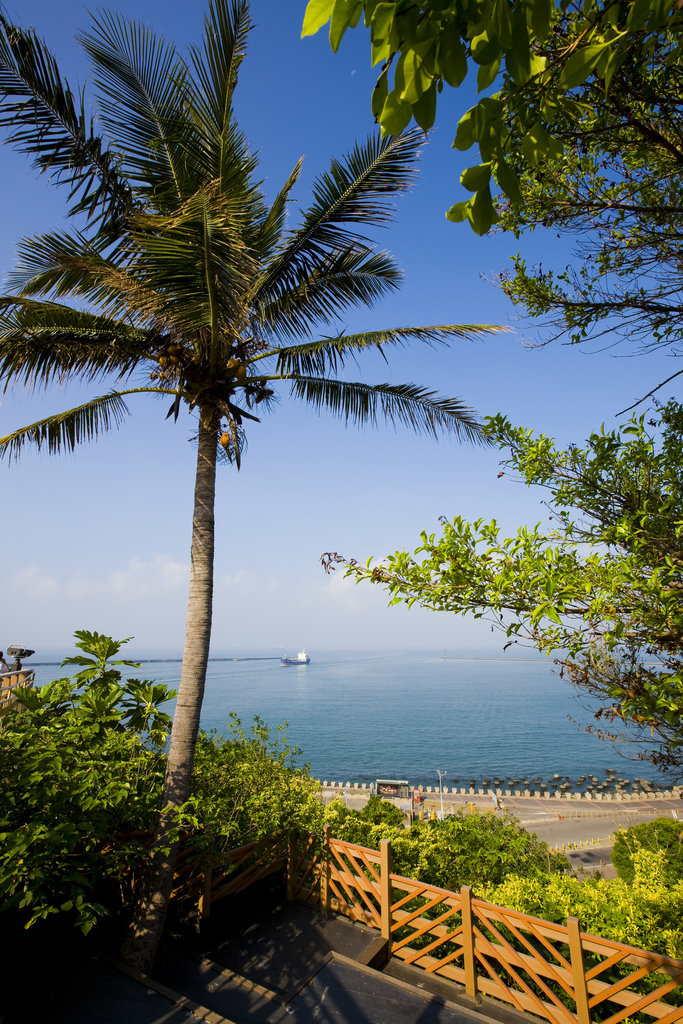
x,y
554,971
11,681
208,883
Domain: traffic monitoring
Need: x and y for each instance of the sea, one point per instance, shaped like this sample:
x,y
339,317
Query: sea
x,y
362,715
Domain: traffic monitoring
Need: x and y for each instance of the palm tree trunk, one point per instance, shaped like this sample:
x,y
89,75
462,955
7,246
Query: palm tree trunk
x,y
142,942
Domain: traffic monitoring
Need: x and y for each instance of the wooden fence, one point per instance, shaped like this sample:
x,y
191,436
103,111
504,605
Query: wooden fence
x,y
556,972
11,681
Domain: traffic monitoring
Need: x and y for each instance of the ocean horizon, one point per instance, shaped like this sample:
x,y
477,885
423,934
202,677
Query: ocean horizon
x,y
362,715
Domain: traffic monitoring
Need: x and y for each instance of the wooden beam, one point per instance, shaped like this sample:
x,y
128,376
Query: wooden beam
x,y
325,868
386,892
583,1013
468,941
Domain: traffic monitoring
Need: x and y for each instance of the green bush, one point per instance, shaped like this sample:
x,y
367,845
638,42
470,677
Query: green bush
x,y
662,834
82,768
464,849
646,913
248,787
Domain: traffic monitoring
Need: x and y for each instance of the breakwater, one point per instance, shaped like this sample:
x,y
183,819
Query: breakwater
x,y
434,793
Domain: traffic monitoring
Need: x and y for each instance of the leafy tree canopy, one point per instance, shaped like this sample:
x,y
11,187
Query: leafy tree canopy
x,y
601,584
660,836
555,68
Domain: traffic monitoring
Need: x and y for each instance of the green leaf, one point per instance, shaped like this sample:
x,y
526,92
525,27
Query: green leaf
x,y
487,73
415,407
659,14
346,14
65,430
51,124
395,115
424,111
460,211
485,47
616,58
476,178
382,19
481,213
479,122
541,17
328,355
415,78
538,145
509,182
501,19
464,137
518,57
318,13
451,59
379,94
581,64
638,15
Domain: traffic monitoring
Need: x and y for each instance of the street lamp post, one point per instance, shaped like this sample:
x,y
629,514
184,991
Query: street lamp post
x,y
442,776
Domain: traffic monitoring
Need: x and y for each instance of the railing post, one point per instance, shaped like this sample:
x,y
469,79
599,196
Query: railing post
x,y
325,887
385,891
205,893
468,941
583,1013
291,865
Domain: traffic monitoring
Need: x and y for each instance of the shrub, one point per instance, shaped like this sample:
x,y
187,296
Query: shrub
x,y
662,834
647,913
82,768
464,849
247,787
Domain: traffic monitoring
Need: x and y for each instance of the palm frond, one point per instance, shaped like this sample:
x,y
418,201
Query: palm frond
x,y
329,354
62,264
414,407
141,82
216,63
46,120
65,430
42,343
268,233
356,190
198,260
59,262
353,277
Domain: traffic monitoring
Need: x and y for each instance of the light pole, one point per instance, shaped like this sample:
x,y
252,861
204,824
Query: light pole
x,y
442,776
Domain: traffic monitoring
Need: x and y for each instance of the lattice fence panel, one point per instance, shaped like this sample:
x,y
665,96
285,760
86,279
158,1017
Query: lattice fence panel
x,y
306,854
257,860
355,882
528,963
427,928
525,962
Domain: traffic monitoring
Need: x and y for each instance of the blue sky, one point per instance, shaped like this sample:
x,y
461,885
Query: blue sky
x,y
100,539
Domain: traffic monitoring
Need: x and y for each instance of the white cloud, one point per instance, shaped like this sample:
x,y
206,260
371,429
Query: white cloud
x,y
31,582
159,575
344,591
147,599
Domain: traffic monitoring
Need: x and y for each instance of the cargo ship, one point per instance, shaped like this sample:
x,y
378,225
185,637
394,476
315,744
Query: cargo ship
x,y
301,659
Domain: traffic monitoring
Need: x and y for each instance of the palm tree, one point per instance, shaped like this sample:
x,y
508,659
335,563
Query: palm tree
x,y
185,283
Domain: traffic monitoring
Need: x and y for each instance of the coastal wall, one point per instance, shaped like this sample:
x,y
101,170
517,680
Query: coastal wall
x,y
356,789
